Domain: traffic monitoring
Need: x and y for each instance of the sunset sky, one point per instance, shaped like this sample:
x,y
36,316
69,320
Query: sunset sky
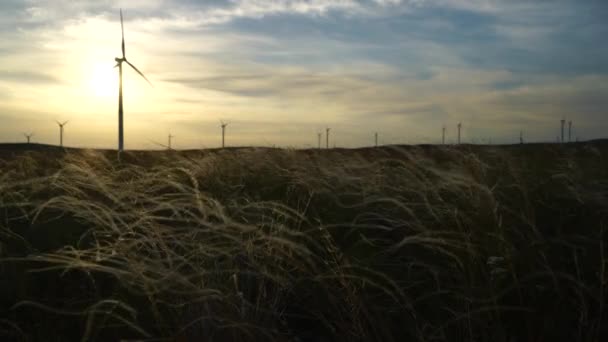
x,y
281,71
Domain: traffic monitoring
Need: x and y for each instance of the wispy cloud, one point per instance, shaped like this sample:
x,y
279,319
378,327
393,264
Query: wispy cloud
x,y
27,77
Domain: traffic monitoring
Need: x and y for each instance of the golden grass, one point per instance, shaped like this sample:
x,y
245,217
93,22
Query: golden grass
x,y
387,244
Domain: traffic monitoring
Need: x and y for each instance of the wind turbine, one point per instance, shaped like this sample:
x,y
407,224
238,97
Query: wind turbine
x,y
569,131
319,139
28,136
376,139
61,131
443,135
521,137
563,122
224,124
170,137
119,62
327,137
459,127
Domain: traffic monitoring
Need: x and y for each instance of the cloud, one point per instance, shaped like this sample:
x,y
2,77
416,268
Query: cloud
x,y
27,77
275,83
585,96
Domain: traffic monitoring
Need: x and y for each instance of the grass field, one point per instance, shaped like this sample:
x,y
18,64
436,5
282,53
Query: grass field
x,y
397,243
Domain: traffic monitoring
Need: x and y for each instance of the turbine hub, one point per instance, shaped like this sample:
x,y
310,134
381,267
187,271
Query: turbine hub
x,y
119,60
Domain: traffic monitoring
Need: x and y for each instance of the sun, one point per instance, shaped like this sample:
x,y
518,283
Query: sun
x,y
104,80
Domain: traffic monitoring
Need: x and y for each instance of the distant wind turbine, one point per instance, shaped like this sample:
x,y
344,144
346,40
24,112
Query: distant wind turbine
x,y
563,122
28,136
521,137
61,131
443,135
119,62
170,137
459,128
224,125
376,139
319,139
569,131
327,137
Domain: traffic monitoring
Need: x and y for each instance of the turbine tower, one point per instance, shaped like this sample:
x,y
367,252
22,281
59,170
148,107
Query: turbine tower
x,y
569,131
327,137
459,127
563,122
443,135
376,139
170,137
28,136
61,131
119,62
224,124
319,139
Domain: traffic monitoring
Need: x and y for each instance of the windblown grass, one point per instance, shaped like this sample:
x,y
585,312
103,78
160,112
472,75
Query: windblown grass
x,y
388,244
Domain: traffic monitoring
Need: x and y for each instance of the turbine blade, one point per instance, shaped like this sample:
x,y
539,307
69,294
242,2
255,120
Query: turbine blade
x,y
122,28
139,72
63,124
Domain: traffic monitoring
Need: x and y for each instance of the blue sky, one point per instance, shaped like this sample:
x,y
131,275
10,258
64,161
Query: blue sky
x,y
281,71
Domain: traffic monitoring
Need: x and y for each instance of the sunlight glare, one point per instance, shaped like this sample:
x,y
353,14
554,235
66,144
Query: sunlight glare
x,y
104,80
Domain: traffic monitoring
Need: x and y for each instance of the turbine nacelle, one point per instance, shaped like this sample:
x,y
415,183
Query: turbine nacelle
x,y
119,61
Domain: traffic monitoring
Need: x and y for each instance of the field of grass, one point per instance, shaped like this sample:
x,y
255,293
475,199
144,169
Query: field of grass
x,y
397,243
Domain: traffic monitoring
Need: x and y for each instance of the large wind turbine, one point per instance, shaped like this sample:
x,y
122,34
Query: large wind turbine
x,y
119,62
61,124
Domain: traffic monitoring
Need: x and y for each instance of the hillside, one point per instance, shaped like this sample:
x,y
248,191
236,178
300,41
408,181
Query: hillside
x,y
418,243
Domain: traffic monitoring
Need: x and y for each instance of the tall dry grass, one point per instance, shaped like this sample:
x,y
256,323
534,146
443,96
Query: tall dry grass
x,y
389,244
